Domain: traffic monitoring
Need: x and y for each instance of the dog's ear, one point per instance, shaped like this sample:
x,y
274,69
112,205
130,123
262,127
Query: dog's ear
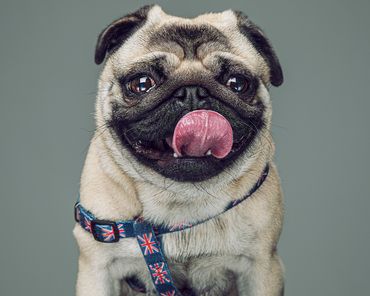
x,y
119,31
256,36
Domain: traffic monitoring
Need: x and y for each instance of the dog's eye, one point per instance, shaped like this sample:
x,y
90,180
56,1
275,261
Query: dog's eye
x,y
141,84
237,83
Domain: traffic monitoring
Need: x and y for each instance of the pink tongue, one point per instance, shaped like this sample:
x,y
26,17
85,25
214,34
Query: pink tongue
x,y
200,131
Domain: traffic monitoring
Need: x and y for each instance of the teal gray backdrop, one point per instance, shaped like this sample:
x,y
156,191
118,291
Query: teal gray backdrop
x,y
321,128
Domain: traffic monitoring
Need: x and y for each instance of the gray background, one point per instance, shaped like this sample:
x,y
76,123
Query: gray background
x,y
321,122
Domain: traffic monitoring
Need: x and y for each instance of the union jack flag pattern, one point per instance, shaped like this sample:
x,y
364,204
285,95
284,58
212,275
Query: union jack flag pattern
x,y
180,226
87,224
106,232
169,293
158,273
121,230
148,244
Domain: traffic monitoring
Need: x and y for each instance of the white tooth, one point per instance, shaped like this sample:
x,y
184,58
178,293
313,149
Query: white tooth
x,y
175,155
209,152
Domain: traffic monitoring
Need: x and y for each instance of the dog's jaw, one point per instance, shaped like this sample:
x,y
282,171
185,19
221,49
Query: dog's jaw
x,y
155,197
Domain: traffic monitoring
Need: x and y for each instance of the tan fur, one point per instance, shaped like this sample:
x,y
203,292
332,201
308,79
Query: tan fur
x,y
238,247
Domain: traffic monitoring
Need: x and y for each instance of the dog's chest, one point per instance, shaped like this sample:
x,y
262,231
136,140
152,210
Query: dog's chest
x,y
209,253
212,252
221,236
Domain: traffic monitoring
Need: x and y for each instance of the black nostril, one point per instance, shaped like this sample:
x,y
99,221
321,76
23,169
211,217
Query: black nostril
x,y
191,92
192,97
180,93
202,92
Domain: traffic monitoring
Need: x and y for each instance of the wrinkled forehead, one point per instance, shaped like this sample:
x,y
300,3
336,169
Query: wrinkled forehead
x,y
187,40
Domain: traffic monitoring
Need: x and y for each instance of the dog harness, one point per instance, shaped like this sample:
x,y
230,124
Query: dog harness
x,y
148,237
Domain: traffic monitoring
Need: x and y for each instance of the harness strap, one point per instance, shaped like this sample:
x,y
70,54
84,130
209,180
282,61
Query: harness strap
x,y
155,260
107,231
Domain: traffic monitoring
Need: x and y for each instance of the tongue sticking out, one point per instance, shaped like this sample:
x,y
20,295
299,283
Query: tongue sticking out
x,y
203,132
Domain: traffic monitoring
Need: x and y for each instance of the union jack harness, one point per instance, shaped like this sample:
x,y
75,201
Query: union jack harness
x,y
147,237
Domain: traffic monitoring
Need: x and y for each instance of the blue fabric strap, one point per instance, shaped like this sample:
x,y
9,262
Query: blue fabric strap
x,y
110,232
155,260
106,231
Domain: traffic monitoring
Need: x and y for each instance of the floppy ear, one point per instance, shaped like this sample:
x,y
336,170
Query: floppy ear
x,y
256,36
119,31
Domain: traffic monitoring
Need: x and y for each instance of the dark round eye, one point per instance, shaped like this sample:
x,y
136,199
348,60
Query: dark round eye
x,y
141,84
237,83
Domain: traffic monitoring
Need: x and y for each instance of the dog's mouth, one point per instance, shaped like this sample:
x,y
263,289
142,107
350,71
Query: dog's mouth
x,y
161,150
197,147
199,135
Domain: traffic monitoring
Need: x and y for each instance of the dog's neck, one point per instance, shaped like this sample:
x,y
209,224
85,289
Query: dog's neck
x,y
110,193
190,203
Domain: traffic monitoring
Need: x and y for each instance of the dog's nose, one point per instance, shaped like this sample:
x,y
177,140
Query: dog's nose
x,y
193,96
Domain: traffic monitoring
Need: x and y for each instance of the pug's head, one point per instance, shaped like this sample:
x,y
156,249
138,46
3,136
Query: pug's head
x,y
185,99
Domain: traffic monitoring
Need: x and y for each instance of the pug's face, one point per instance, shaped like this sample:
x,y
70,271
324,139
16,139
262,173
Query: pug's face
x,y
185,98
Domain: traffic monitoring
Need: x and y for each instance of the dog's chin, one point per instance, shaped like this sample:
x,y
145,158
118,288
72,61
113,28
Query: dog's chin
x,y
159,156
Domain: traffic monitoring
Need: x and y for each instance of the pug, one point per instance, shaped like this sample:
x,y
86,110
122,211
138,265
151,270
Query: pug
x,y
183,117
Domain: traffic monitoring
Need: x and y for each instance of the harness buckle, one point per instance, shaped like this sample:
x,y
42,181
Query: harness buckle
x,y
77,212
105,231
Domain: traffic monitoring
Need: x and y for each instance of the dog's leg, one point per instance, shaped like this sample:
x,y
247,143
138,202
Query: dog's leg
x,y
265,278
209,277
94,280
